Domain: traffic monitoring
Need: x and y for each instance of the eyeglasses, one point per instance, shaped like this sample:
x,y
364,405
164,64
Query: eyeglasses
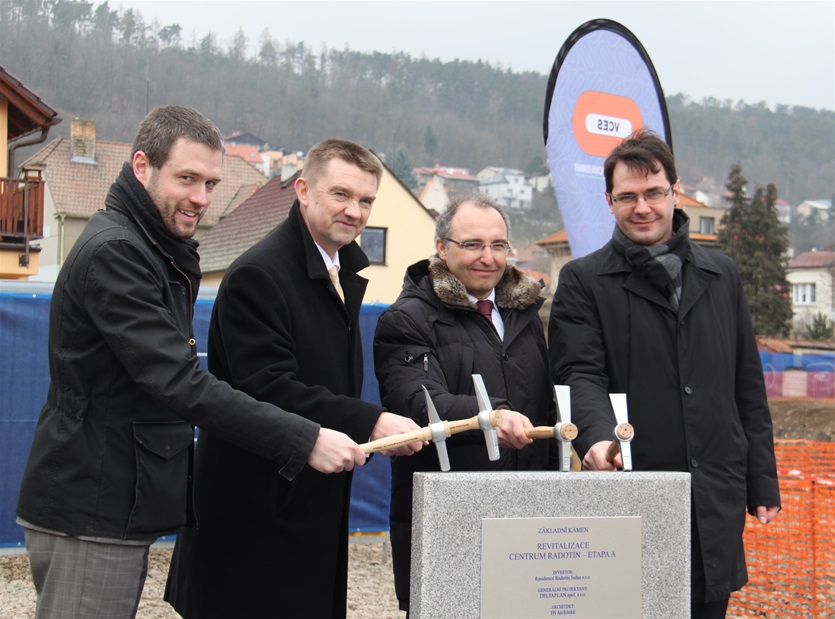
x,y
653,197
497,247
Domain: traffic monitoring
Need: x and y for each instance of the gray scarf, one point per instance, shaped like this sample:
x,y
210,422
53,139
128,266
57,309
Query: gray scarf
x,y
659,264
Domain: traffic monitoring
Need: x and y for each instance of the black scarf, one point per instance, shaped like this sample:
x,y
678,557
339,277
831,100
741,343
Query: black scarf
x,y
659,264
129,197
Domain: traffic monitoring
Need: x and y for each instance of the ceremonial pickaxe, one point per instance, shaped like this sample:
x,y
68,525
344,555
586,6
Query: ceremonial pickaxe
x,y
564,431
485,418
437,431
624,432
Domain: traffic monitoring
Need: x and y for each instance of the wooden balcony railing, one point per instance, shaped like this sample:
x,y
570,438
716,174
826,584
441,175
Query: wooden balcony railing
x,y
21,209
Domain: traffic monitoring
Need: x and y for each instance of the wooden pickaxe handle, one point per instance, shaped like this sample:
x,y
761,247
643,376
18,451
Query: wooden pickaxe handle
x,y
623,432
397,440
425,434
568,432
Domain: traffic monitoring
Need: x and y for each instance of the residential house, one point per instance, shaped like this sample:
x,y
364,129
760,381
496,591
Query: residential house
x,y
534,260
506,187
283,164
708,192
560,252
456,180
251,155
244,138
78,172
434,195
823,208
705,220
784,211
24,120
400,231
541,183
812,278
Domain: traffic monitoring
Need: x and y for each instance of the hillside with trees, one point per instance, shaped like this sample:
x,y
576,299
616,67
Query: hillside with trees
x,y
90,61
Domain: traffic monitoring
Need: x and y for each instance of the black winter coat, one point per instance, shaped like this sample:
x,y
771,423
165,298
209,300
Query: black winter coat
x,y
694,386
268,547
112,451
432,335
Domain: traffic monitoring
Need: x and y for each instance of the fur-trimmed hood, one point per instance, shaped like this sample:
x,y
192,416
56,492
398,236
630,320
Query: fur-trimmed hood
x,y
515,290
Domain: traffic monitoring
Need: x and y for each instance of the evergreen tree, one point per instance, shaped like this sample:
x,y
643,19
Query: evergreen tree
x,y
819,328
752,235
402,166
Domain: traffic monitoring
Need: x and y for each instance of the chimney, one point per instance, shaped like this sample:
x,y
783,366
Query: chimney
x,y
83,141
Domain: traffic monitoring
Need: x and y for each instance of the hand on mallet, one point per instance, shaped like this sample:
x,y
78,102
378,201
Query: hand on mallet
x,y
597,458
425,434
335,452
513,430
391,425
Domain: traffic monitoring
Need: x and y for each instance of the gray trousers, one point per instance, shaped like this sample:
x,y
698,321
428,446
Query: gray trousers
x,y
78,579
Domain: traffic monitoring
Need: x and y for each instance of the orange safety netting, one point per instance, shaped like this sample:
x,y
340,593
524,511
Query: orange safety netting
x,y
791,562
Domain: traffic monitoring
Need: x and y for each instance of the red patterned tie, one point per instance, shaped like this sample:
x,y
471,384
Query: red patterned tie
x,y
485,308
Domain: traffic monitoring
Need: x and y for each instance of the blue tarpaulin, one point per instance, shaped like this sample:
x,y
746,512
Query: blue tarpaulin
x,y
778,362
24,380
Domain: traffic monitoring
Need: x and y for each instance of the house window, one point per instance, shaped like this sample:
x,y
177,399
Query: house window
x,y
373,243
803,294
706,225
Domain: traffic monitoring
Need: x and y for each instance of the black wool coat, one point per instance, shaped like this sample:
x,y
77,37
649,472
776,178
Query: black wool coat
x,y
432,335
693,381
266,546
112,451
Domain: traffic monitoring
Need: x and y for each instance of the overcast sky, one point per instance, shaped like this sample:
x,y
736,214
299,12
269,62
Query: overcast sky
x,y
779,52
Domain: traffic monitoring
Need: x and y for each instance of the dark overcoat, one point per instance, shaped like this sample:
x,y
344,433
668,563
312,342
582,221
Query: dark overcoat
x,y
268,547
433,336
694,386
112,451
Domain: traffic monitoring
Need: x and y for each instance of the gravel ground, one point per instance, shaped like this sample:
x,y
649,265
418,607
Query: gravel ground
x,y
370,585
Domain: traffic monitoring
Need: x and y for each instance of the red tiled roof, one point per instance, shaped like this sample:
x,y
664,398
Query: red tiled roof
x,y
246,225
685,200
813,259
246,152
537,275
79,188
557,237
698,236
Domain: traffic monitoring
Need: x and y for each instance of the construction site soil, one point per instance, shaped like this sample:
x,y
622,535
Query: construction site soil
x,y
370,584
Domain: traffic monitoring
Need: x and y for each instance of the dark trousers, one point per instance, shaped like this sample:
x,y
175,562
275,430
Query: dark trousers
x,y
708,610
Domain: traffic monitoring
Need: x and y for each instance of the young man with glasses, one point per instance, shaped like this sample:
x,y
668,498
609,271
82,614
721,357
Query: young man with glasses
x,y
437,335
666,322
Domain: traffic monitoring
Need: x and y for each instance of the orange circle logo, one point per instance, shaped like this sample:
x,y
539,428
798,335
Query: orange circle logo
x,y
601,121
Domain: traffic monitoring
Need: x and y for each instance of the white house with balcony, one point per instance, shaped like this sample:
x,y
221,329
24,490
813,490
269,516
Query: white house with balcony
x,y
507,187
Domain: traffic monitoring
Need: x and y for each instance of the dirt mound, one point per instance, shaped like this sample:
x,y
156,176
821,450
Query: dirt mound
x,y
813,420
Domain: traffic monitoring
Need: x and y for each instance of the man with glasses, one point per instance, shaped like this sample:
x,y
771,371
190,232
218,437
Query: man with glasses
x,y
666,322
464,311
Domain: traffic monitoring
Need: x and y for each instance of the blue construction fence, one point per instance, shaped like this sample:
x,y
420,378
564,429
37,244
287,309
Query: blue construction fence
x,y
799,376
24,380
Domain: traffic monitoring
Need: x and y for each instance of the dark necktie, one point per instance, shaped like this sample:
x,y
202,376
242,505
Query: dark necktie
x,y
485,308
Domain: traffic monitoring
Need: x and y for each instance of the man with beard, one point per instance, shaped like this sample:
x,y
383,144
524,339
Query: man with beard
x,y
110,466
